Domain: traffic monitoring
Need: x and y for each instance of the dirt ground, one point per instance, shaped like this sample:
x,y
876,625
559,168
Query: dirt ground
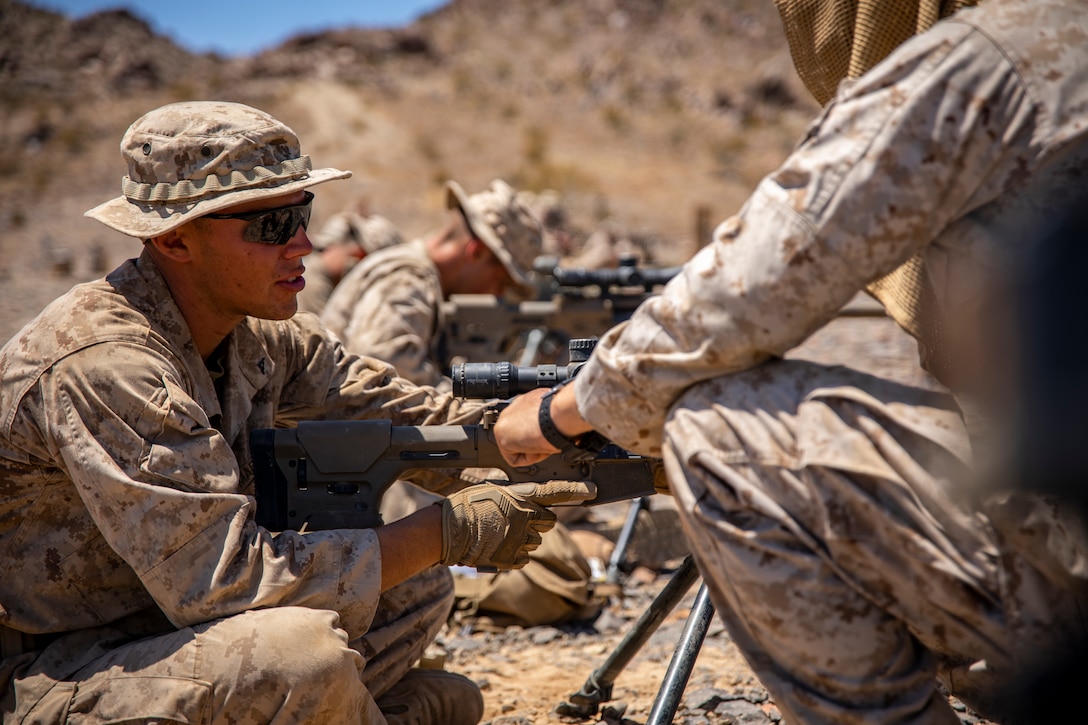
x,y
527,674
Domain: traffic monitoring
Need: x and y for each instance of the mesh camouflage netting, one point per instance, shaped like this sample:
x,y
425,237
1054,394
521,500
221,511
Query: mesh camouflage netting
x,y
835,39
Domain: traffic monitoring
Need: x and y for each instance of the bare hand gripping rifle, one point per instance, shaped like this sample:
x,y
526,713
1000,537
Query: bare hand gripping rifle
x,y
333,474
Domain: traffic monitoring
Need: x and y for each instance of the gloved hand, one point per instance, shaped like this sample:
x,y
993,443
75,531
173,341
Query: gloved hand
x,y
495,527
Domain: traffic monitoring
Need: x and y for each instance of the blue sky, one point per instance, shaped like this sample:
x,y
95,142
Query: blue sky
x,y
243,27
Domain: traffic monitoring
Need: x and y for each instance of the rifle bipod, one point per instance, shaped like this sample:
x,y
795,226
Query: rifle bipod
x,y
598,688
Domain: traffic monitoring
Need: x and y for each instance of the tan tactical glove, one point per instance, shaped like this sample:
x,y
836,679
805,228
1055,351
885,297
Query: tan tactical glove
x,y
495,527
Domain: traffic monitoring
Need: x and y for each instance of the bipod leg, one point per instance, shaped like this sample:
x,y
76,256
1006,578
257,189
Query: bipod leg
x,y
532,346
620,552
683,660
598,688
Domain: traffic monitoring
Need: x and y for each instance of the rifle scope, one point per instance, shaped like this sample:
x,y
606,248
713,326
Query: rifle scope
x,y
621,276
505,379
626,273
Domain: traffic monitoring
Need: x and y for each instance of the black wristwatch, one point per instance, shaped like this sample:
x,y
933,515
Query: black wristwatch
x,y
584,446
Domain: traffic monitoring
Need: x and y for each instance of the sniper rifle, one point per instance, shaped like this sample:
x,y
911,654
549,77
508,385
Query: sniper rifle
x,y
333,474
571,303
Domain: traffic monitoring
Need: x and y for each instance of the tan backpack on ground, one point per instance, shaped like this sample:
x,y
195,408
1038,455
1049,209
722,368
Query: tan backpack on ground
x,y
554,587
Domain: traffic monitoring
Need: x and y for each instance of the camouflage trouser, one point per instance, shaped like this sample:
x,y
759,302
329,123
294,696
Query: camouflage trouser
x,y
826,513
281,665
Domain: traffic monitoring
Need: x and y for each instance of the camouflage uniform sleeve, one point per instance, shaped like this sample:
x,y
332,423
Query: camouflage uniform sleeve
x,y
161,485
326,381
935,131
395,320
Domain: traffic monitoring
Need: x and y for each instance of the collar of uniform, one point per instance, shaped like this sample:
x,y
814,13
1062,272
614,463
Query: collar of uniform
x,y
250,355
153,298
247,368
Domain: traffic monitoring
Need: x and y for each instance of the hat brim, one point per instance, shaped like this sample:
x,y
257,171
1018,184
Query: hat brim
x,y
456,198
144,221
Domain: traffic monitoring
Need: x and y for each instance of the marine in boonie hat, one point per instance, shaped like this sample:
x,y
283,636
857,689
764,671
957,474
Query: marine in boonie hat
x,y
193,158
501,219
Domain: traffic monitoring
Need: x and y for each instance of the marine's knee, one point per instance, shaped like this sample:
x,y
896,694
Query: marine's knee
x,y
295,644
285,664
752,413
429,589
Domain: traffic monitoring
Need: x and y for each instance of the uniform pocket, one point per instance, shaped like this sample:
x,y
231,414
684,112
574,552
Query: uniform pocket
x,y
184,448
53,707
880,431
140,699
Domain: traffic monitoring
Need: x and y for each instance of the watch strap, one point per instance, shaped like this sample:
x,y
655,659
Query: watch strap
x,y
584,446
547,425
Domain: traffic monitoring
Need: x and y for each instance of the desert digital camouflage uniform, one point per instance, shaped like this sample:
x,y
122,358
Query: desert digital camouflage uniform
x,y
828,510
136,585
127,514
390,305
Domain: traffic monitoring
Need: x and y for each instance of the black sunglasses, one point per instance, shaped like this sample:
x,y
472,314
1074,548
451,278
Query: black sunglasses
x,y
272,226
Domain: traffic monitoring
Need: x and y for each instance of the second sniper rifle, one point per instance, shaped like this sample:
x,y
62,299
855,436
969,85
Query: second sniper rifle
x,y
571,303
333,474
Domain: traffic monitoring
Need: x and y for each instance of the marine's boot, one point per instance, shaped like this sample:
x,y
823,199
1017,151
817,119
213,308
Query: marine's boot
x,y
432,697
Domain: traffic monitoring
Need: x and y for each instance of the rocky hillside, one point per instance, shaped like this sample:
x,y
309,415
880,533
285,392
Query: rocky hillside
x,y
656,115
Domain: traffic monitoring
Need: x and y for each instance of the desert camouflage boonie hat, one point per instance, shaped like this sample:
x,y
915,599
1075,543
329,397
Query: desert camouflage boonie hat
x,y
193,158
501,219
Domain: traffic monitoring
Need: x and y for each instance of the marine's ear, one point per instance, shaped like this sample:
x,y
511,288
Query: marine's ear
x,y
174,244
